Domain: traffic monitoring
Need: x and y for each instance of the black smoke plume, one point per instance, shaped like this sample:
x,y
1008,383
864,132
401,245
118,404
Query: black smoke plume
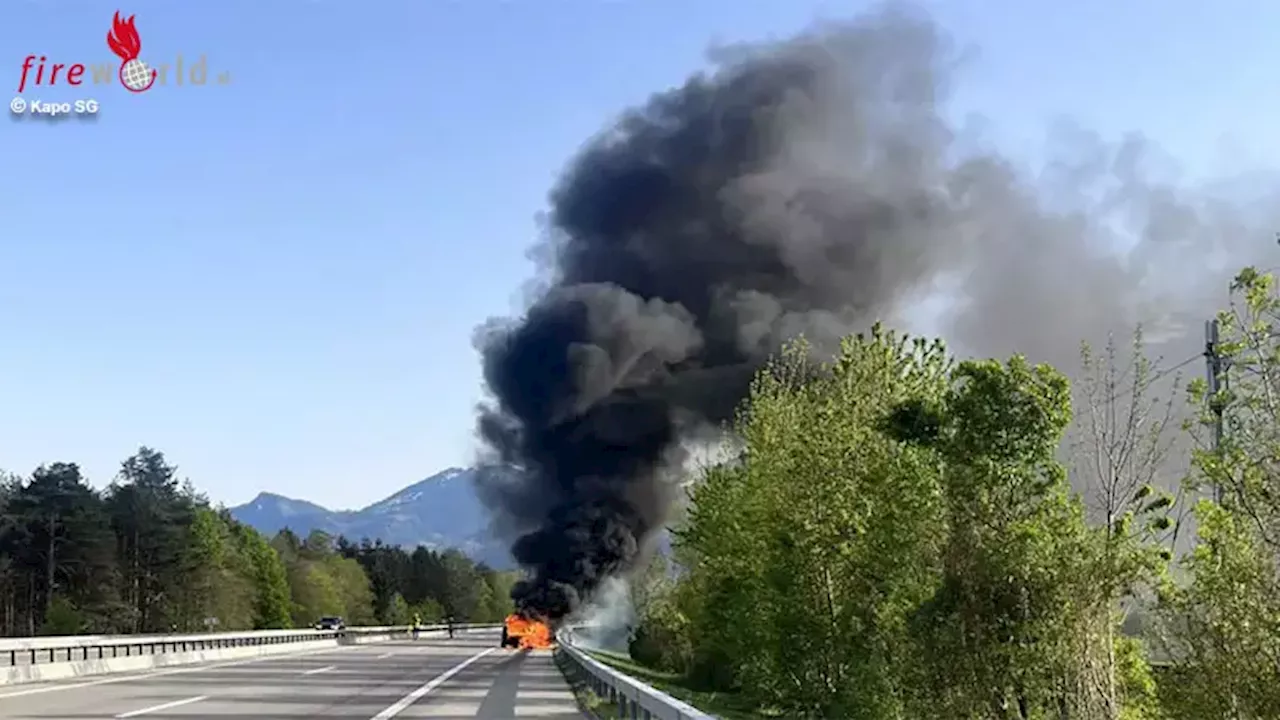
x,y
807,187
687,241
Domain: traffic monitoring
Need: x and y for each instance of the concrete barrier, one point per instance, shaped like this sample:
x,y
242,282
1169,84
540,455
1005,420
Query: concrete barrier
x,y
61,658
366,638
45,672
37,660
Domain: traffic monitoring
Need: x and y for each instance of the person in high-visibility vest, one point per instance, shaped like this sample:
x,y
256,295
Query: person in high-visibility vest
x,y
417,623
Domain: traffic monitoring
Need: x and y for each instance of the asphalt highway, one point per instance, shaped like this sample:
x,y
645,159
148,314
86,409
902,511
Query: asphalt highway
x,y
467,677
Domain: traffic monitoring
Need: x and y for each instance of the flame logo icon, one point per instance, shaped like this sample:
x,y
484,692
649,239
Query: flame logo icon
x,y
125,43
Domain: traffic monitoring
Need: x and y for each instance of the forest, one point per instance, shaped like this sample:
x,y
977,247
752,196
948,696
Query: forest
x,y
150,554
897,533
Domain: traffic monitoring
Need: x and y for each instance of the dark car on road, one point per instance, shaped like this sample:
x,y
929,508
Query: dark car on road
x,y
330,623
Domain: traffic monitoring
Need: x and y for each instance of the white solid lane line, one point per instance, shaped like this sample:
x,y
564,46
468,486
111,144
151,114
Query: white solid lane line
x,y
414,696
384,656
319,670
165,706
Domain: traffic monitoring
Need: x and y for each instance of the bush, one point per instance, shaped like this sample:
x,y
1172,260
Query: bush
x,y
660,639
63,618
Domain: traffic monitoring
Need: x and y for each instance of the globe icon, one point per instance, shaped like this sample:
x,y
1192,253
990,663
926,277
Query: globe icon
x,y
136,75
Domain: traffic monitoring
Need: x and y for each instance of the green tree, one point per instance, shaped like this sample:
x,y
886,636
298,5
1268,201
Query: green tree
x,y
437,583
63,544
1121,446
203,561
150,515
825,528
461,594
1225,625
1221,622
401,613
272,602
151,554
895,537
424,576
56,552
323,582
430,611
315,594
658,636
496,604
998,635
389,573
352,585
10,583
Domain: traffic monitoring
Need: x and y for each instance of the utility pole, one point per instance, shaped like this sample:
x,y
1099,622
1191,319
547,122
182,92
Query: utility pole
x,y
1214,367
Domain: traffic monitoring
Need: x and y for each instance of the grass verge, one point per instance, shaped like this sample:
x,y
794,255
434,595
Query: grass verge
x,y
728,706
593,705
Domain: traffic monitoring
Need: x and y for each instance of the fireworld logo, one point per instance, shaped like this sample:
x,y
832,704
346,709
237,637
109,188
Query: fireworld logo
x,y
133,73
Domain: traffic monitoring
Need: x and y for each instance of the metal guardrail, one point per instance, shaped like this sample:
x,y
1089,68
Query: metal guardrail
x,y
72,648
633,698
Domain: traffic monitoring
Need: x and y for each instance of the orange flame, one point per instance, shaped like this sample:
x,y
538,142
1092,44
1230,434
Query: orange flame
x,y
533,634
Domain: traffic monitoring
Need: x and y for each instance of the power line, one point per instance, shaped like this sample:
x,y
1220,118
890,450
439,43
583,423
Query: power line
x,y
1175,368
1154,378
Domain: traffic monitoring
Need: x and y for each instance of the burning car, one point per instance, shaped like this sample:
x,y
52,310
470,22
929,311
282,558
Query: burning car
x,y
526,633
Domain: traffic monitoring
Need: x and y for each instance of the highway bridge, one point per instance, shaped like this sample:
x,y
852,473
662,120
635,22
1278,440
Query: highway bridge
x,y
464,677
356,673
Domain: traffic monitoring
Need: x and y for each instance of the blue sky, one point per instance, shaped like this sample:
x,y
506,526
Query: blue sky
x,y
276,282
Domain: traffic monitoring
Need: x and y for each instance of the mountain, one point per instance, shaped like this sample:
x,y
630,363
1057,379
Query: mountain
x,y
439,512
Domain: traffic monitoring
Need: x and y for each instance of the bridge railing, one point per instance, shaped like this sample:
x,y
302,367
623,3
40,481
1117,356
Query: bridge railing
x,y
74,648
633,698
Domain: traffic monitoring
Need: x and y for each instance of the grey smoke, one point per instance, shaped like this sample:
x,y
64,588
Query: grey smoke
x,y
807,187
